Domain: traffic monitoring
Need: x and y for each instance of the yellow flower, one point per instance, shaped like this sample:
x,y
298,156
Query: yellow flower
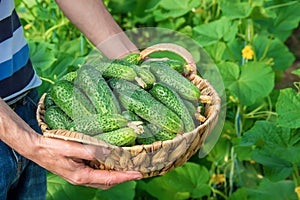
x,y
218,178
297,190
247,52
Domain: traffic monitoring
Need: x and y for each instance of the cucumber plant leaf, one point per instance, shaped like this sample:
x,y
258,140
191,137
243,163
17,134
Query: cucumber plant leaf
x,y
273,190
239,10
278,53
288,108
219,30
285,20
270,140
296,72
42,58
187,181
250,82
173,8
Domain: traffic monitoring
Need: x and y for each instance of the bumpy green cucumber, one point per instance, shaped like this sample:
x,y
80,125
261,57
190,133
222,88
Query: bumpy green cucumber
x,y
132,58
71,100
172,100
144,77
142,103
48,101
175,64
120,137
146,137
116,69
55,118
98,123
171,77
164,135
98,91
160,134
191,106
130,116
70,76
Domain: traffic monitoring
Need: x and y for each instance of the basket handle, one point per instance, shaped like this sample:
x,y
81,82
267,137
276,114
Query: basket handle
x,y
185,54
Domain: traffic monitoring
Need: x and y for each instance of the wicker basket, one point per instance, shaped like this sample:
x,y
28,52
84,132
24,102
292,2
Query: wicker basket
x,y
159,157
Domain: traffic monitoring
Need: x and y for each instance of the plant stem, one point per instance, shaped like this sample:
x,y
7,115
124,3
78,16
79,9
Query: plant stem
x,y
281,5
231,171
238,123
266,49
219,193
229,51
47,80
296,175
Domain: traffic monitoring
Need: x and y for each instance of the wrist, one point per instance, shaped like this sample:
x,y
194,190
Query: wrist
x,y
117,46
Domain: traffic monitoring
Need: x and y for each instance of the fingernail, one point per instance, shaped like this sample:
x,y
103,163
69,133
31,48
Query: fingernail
x,y
137,175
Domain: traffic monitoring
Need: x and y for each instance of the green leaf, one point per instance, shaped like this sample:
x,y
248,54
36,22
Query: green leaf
x,y
270,141
188,181
239,194
278,52
288,108
285,20
173,8
296,72
273,190
239,10
58,188
220,30
278,173
42,58
256,81
216,51
230,73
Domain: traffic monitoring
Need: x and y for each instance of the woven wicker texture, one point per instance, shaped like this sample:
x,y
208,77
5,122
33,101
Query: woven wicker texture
x,y
159,157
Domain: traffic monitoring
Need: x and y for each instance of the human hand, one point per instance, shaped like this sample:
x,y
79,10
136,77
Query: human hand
x,y
65,159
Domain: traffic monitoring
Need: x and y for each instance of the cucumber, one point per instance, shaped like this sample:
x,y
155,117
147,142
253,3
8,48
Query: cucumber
x,y
48,101
96,88
120,137
172,100
71,100
98,123
146,137
144,77
55,118
71,76
160,134
147,107
116,69
176,64
191,106
164,135
132,58
171,77
130,116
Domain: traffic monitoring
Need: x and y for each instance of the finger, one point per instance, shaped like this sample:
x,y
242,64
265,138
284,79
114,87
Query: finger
x,y
76,150
111,178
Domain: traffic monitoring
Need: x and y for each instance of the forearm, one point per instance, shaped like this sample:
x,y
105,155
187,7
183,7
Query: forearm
x,y
96,23
15,132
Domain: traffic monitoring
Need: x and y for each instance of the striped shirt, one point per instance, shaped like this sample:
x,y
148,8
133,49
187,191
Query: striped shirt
x,y
16,72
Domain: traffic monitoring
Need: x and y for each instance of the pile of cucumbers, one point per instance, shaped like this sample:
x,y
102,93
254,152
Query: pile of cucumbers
x,y
124,102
